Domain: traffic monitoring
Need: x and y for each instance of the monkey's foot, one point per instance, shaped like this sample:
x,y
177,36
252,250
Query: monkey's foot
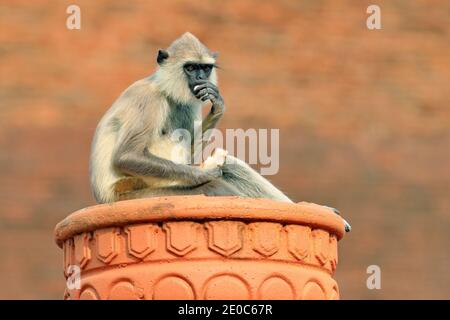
x,y
348,227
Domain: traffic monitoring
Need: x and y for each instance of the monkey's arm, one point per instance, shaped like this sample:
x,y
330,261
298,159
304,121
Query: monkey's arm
x,y
206,90
211,120
145,164
132,157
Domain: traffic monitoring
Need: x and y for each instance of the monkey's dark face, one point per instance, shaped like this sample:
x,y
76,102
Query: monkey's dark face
x,y
197,73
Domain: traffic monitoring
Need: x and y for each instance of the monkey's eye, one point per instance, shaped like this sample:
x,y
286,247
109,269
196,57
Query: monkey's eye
x,y
189,67
207,69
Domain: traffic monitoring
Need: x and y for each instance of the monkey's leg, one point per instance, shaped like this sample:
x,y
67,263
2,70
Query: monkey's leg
x,y
213,188
249,183
238,179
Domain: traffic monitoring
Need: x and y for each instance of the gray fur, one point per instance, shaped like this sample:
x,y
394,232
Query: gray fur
x,y
132,147
180,117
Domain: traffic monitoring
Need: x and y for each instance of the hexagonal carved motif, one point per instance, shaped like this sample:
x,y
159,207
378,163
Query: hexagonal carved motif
x,y
298,238
106,240
265,237
141,239
321,243
333,252
67,254
82,251
225,237
181,237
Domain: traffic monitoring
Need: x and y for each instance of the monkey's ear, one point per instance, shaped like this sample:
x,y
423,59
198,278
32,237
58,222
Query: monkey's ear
x,y
162,55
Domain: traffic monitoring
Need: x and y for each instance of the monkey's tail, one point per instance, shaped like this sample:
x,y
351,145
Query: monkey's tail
x,y
249,182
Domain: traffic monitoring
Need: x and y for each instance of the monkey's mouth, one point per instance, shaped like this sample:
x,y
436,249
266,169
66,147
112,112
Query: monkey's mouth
x,y
191,87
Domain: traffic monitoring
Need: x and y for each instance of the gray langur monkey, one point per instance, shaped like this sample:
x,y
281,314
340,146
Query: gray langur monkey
x,y
132,151
131,154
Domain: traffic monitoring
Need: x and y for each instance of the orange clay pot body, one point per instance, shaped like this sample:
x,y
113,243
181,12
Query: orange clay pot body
x,y
197,247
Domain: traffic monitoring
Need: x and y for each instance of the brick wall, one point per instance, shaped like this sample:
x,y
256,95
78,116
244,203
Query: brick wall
x,y
363,115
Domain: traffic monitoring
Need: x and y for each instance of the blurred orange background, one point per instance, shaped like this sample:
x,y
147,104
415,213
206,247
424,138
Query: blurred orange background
x,y
364,120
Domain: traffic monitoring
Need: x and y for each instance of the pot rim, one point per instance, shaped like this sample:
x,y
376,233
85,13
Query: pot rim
x,y
196,208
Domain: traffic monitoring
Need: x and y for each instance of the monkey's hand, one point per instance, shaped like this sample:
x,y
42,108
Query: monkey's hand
x,y
217,159
205,90
203,175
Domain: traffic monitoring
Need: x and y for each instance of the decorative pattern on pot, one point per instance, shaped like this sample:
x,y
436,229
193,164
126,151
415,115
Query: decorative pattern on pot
x,y
194,250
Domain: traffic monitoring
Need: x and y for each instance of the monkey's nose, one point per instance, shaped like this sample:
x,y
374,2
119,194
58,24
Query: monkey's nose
x,y
201,76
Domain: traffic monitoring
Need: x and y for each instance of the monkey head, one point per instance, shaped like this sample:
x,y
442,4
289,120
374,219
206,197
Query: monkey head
x,y
182,66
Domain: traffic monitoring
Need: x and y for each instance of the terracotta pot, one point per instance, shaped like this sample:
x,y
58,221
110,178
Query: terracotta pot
x,y
197,247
